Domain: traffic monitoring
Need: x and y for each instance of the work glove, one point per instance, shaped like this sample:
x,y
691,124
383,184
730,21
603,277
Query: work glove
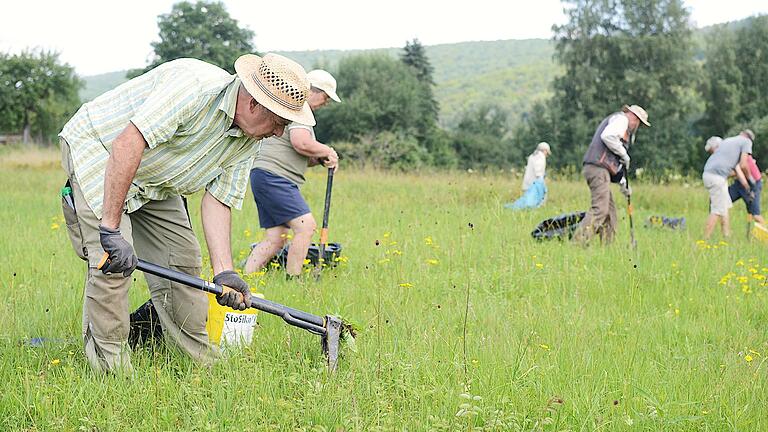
x,y
121,258
231,279
626,190
625,161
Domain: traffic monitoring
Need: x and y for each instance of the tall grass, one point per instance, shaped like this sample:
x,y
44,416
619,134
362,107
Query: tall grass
x,y
466,322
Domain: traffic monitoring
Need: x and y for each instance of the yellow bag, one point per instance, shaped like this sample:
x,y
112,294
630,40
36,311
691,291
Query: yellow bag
x,y
228,327
760,232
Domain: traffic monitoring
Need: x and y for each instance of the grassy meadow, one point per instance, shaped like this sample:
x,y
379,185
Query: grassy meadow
x,y
466,322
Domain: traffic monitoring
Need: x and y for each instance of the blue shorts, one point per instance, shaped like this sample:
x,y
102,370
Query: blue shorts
x,y
737,191
277,199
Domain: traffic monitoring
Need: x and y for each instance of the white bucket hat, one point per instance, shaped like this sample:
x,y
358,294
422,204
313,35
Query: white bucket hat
x,y
277,83
542,146
639,112
325,82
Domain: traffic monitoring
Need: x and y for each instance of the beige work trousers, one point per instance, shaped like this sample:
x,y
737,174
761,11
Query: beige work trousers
x,y
601,218
161,233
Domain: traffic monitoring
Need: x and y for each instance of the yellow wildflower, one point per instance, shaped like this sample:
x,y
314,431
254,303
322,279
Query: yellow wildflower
x,y
544,347
306,261
274,264
406,285
247,233
428,241
54,362
433,262
54,226
746,289
748,358
539,265
740,263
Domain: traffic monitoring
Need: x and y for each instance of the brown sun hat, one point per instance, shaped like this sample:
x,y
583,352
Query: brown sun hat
x,y
639,112
277,83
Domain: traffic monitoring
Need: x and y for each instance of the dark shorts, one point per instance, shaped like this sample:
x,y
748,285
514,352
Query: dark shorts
x,y
277,199
737,191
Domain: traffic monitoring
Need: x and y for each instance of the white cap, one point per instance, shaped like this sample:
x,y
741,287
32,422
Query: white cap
x,y
542,146
324,81
713,143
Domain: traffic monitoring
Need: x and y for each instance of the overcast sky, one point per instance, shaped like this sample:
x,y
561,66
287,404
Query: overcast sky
x,y
105,36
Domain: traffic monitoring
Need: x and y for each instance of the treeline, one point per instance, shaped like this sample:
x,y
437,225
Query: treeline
x,y
609,53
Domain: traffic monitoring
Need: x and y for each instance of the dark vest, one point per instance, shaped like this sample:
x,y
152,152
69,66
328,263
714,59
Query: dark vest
x,y
599,154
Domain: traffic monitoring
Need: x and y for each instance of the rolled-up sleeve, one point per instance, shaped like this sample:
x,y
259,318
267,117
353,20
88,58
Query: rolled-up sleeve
x,y
230,186
613,133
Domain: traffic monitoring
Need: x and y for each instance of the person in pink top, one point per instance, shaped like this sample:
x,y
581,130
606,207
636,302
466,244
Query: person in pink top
x,y
751,200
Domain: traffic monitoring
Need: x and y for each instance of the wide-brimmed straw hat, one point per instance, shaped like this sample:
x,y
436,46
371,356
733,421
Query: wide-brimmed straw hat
x,y
749,134
279,84
324,81
639,112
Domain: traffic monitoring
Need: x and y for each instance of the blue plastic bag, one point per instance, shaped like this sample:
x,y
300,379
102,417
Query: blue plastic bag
x,y
532,198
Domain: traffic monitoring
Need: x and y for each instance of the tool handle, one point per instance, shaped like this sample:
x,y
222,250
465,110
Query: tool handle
x,y
328,191
294,317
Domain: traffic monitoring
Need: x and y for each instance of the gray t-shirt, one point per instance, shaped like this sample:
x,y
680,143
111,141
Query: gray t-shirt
x,y
277,155
727,155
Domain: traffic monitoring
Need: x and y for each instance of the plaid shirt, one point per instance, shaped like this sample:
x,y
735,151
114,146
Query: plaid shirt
x,y
185,110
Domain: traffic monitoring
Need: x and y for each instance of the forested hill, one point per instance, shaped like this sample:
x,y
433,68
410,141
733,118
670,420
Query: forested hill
x,y
510,73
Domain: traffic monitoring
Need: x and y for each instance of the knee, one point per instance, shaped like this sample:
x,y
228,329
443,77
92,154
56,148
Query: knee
x,y
305,226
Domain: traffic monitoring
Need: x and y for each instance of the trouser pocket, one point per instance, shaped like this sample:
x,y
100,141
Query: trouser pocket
x,y
73,224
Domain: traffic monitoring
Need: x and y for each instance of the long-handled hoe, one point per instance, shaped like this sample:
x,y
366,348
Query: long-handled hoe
x,y
330,328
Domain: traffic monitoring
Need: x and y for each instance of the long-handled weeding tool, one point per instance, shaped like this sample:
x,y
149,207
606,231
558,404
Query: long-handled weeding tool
x,y
330,328
326,213
629,213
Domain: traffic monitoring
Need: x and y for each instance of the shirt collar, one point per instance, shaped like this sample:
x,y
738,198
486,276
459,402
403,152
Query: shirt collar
x,y
229,103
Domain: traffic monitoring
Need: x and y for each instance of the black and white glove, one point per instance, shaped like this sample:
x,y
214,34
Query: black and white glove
x,y
625,161
231,279
626,190
122,258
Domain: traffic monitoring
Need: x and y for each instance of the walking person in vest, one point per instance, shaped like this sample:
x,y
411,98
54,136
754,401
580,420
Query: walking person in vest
x,y
277,174
607,161
132,153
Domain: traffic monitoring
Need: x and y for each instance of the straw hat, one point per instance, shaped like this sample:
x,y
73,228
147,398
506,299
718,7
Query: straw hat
x,y
277,83
713,143
544,147
639,112
324,81
749,134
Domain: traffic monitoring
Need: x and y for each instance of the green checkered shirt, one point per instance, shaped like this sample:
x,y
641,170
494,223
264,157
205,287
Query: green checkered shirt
x,y
184,109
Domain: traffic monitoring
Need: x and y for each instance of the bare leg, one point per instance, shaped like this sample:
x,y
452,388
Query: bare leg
x,y
759,219
726,223
303,229
266,249
710,226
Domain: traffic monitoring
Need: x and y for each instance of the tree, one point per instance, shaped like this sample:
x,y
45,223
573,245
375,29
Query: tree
x,y
203,30
37,93
482,138
379,93
722,83
415,56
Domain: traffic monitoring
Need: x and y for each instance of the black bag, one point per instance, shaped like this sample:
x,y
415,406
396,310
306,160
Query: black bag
x,y
558,226
332,251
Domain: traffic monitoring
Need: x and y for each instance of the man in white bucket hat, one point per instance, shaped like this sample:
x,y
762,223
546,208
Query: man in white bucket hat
x,y
607,161
277,175
132,153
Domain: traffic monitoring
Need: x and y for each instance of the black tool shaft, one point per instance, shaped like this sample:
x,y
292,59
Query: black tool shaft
x,y
328,191
294,317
